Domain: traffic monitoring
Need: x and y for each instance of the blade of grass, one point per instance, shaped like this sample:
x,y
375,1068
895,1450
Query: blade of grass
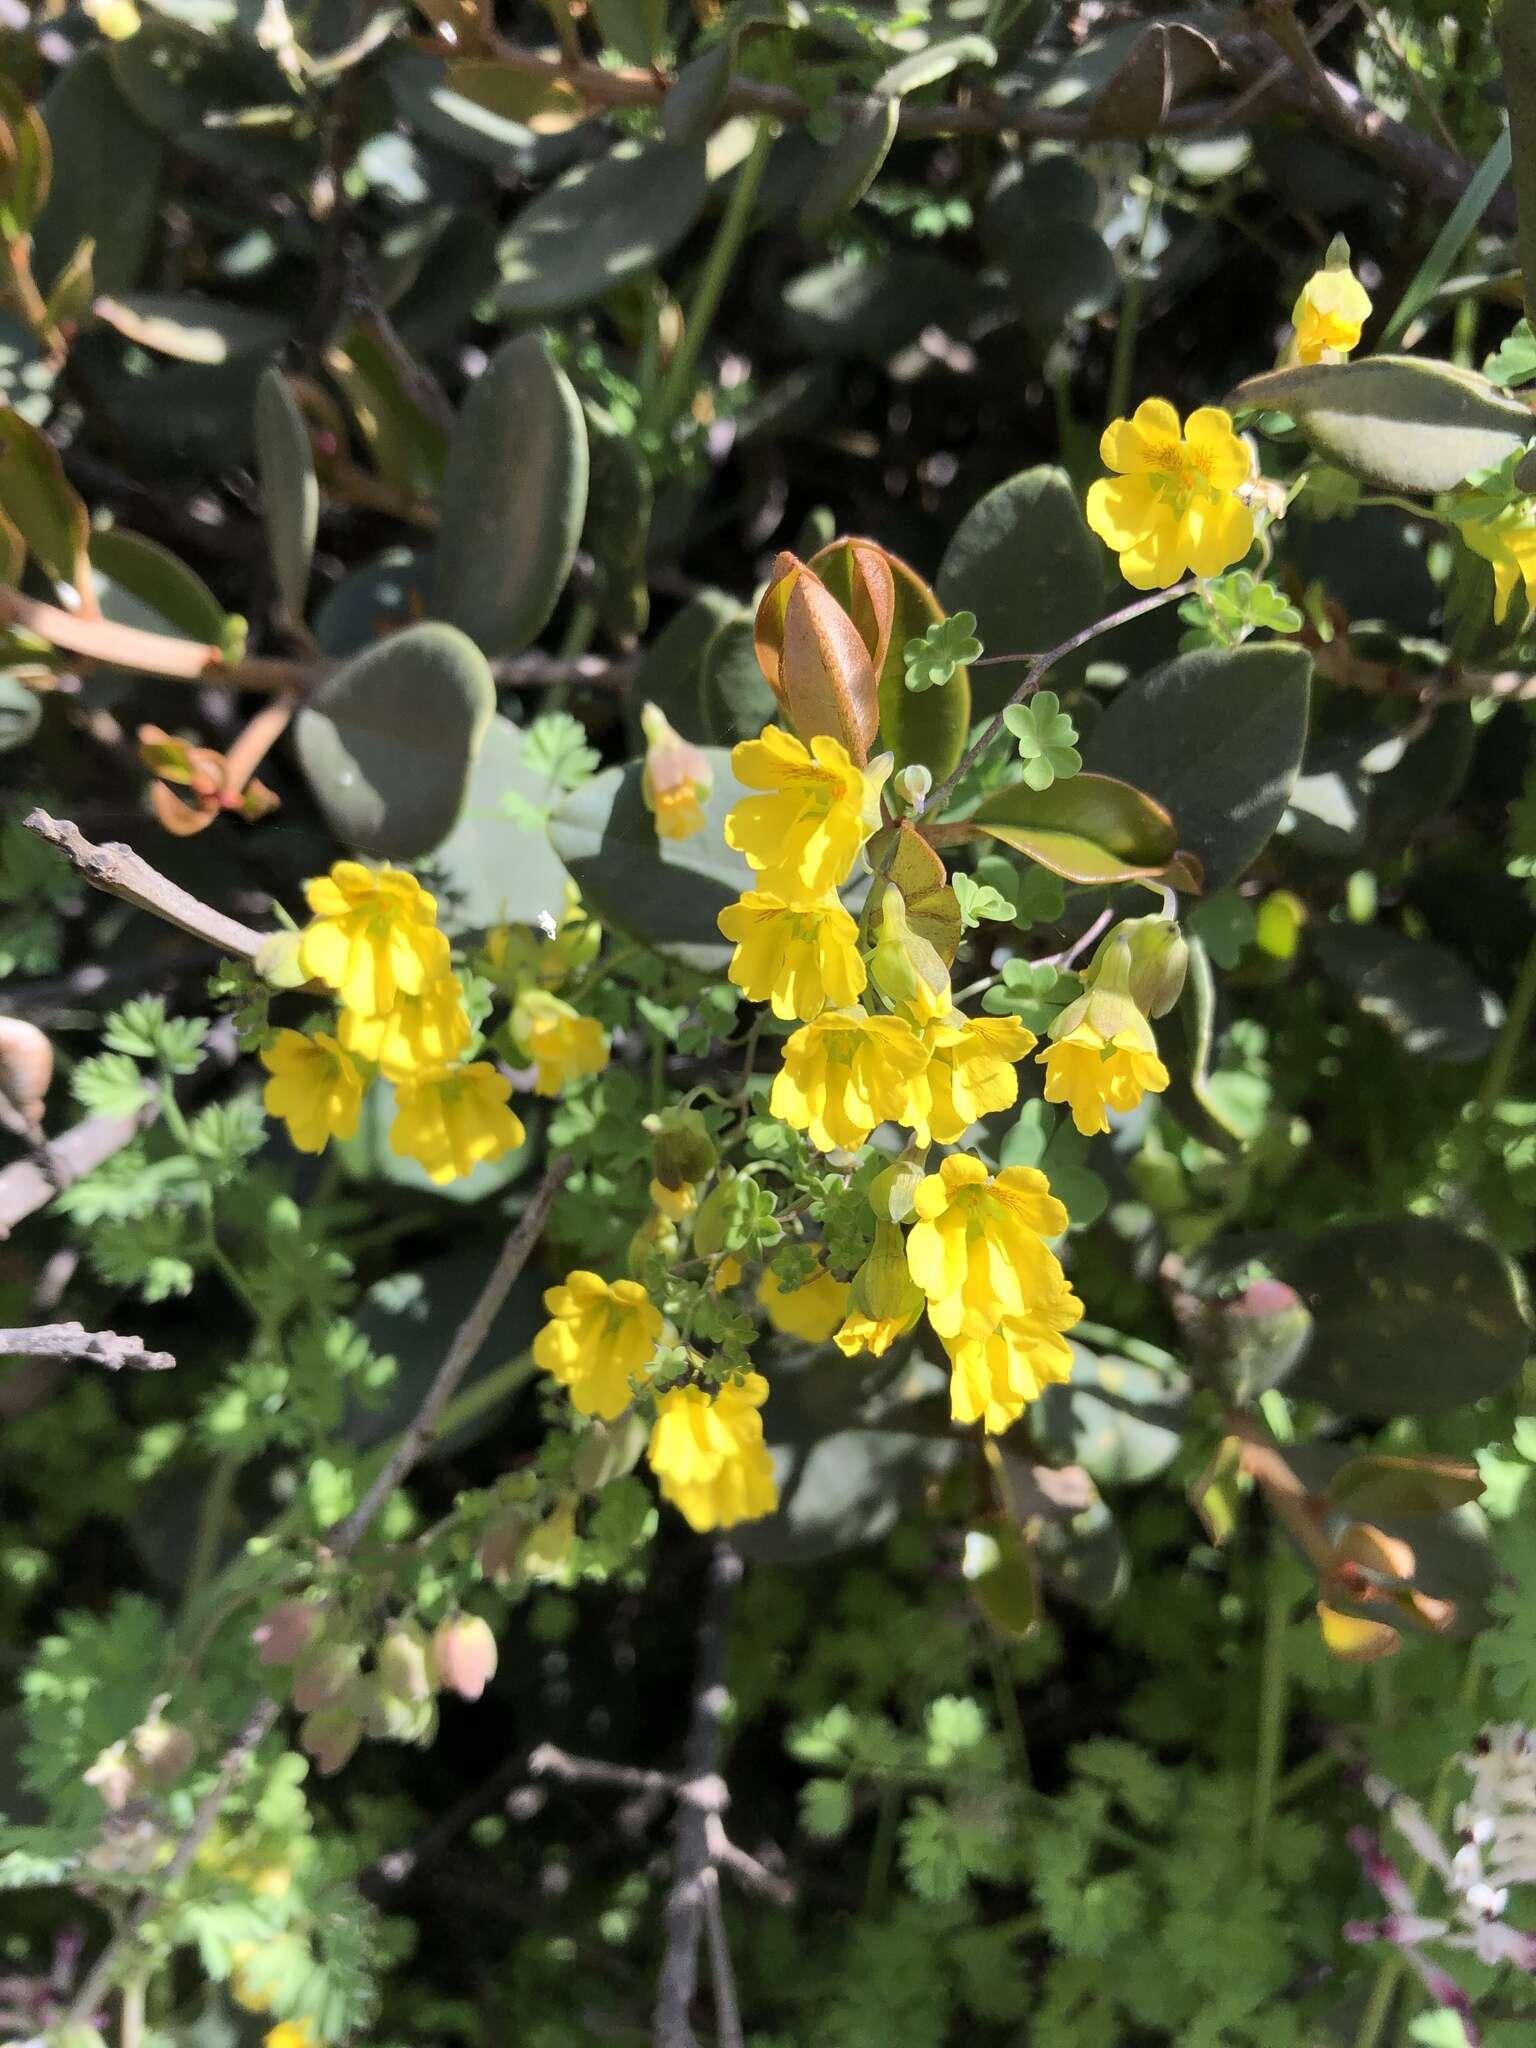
x,y
1449,243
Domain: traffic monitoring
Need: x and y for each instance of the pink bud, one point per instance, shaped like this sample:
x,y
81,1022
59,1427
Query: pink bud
x,y
330,1735
464,1651
285,1634
115,1776
323,1676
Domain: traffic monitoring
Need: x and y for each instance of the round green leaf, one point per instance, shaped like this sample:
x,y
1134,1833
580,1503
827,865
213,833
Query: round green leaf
x,y
696,102
601,223
513,500
108,183
1217,736
1402,422
618,526
1090,828
190,327
1422,992
850,166
1122,1422
665,892
386,592
1022,559
1409,1317
497,865
389,740
671,672
285,463
161,582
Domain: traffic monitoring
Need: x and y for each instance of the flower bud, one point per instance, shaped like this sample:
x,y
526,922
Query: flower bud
x,y
676,781
912,786
715,1215
892,1193
657,1238
682,1150
608,1450
501,1543
883,1287
1159,956
330,1735
815,659
403,1664
464,1652
277,960
26,1068
286,1633
323,1675
163,1750
115,1776
552,1541
1106,1002
905,967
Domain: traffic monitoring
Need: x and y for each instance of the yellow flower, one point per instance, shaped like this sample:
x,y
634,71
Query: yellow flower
x,y
804,835
708,1454
453,1119
1329,314
810,1312
601,1336
970,1074
726,1274
993,1379
117,19
676,782
1102,1051
674,1203
426,1030
290,2034
800,957
1094,1074
1172,505
845,1073
978,1249
373,936
314,1088
884,1301
562,1044
1508,541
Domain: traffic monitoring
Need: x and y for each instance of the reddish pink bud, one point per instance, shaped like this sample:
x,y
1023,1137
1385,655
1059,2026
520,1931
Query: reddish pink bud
x,y
330,1735
464,1651
286,1633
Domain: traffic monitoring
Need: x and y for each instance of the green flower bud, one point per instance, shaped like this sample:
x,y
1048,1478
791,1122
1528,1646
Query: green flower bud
x,y
682,1151
163,1750
1106,1002
403,1663
608,1450
501,1543
905,967
1159,955
883,1287
912,786
892,1193
277,960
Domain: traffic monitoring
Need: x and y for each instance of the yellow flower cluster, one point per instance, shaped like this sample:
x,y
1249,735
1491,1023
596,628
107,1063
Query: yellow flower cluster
x,y
706,1445
373,939
997,1297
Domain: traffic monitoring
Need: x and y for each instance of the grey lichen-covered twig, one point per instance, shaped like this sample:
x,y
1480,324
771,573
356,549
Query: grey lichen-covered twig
x,y
118,871
693,1904
92,1347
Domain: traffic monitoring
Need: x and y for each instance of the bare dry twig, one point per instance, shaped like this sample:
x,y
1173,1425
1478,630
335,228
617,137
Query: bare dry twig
x,y
119,871
469,1337
94,1347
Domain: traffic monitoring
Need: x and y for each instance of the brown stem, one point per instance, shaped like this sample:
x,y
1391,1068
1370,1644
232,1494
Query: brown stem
x,y
256,742
156,654
1265,1463
471,1334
